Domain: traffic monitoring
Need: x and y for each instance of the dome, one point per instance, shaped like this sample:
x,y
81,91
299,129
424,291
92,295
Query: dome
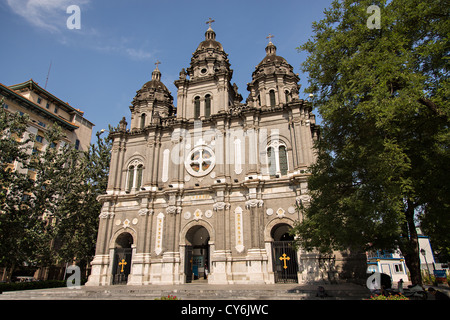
x,y
273,81
271,56
209,59
153,90
210,41
155,83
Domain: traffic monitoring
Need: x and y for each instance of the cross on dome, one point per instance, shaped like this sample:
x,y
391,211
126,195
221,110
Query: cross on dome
x,y
270,36
210,21
156,74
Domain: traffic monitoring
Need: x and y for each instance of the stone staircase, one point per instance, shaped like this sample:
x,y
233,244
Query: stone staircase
x,y
194,292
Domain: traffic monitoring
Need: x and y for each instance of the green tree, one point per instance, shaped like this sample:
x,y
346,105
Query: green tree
x,y
59,173
78,226
15,218
383,157
54,217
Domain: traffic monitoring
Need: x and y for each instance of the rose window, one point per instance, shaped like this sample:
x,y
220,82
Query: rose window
x,y
200,161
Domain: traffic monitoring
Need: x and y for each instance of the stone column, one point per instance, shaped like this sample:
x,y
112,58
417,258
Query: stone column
x,y
220,255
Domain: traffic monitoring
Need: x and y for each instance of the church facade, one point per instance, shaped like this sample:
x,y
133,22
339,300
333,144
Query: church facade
x,y
209,189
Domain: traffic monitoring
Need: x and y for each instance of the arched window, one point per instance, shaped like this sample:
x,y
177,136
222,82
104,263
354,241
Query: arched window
x,y
283,160
287,96
139,176
277,161
272,98
134,175
130,178
272,163
143,121
197,108
207,105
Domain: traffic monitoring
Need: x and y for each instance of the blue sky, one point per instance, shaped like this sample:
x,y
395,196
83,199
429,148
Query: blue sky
x,y
99,67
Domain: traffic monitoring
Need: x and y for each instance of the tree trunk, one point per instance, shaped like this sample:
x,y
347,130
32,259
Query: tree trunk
x,y
411,252
10,272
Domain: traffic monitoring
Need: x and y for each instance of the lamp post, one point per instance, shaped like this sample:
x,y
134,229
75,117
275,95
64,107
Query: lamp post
x,y
424,253
100,132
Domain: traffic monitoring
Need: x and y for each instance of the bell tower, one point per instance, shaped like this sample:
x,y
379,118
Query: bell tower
x,y
273,81
204,89
152,102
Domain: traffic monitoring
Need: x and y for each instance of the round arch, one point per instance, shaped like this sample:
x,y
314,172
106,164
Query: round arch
x,y
272,224
135,157
187,228
121,233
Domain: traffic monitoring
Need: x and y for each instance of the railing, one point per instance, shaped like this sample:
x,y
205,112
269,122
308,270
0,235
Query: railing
x,y
379,254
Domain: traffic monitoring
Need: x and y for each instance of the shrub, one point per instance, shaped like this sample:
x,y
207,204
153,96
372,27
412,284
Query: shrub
x,y
389,297
13,286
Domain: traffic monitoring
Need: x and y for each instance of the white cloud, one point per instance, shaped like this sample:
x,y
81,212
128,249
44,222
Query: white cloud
x,y
138,54
132,53
49,15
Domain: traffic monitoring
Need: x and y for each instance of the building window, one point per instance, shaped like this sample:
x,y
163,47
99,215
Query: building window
x,y
77,144
39,100
200,161
207,105
277,161
56,110
139,176
287,96
143,121
398,268
130,178
39,139
197,108
48,105
134,175
272,98
283,160
272,163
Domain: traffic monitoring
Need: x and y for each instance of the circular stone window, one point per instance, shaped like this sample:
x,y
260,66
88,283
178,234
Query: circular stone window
x,y
200,161
204,70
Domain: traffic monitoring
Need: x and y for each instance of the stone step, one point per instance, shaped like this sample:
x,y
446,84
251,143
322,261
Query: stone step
x,y
186,292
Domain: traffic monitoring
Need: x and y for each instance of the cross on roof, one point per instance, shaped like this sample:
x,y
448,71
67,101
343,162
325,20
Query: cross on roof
x,y
157,63
270,36
210,21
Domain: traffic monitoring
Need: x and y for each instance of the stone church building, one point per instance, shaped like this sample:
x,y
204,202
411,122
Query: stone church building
x,y
209,189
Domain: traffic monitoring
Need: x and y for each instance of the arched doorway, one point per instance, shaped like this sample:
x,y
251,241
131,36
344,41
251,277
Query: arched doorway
x,y
197,254
284,256
122,258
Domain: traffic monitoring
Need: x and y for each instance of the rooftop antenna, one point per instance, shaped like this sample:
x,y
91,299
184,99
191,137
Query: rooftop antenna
x,y
48,73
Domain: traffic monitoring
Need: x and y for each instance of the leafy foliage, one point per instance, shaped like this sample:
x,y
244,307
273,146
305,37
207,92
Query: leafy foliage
x,y
54,216
383,160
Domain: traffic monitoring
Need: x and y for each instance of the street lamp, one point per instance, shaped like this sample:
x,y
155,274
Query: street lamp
x,y
424,253
100,132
